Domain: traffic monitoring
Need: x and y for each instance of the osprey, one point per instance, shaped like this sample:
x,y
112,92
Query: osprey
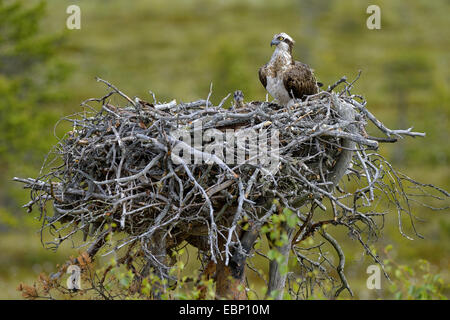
x,y
285,78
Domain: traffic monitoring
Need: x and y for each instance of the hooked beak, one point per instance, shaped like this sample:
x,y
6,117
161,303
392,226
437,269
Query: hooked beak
x,y
274,42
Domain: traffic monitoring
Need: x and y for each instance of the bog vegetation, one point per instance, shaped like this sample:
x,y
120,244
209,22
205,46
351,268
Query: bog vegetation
x,y
179,50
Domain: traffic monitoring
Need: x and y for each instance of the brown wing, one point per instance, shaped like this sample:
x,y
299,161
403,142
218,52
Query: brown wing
x,y
263,75
299,80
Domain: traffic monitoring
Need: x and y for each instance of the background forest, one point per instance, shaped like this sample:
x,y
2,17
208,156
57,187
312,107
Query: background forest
x,y
177,48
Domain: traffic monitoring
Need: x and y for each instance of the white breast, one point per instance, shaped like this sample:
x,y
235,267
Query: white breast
x,y
279,61
276,89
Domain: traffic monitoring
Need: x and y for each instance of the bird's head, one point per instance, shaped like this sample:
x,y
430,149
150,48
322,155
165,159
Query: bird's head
x,y
282,41
238,99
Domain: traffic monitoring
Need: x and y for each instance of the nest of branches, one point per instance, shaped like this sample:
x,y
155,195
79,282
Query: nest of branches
x,y
140,169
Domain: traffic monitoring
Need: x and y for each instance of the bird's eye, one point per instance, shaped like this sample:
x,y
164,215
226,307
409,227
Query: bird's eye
x,y
280,38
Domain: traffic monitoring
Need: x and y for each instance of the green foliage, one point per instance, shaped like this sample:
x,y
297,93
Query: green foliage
x,y
416,282
113,280
28,78
30,75
275,230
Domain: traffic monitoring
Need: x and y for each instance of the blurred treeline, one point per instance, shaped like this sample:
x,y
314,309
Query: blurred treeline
x,y
177,48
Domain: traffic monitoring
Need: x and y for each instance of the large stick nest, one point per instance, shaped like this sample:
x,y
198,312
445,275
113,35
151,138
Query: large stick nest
x,y
117,168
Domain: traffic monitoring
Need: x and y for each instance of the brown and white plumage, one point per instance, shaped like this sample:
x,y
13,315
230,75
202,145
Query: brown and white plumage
x,y
285,78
